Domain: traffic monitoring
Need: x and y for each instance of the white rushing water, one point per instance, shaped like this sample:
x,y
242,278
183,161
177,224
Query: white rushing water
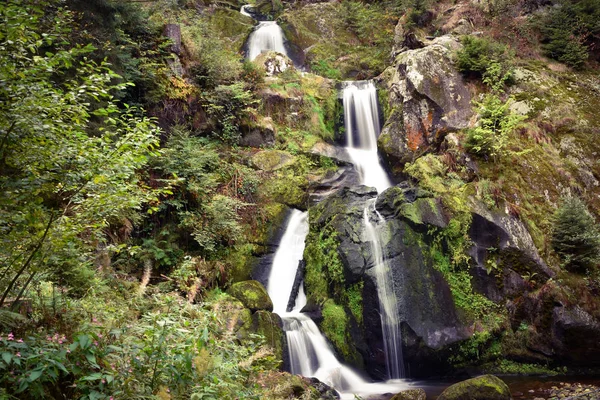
x,y
266,36
245,12
388,303
361,120
310,354
361,117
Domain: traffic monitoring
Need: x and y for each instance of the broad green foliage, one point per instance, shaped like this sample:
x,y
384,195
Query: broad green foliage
x,y
575,236
175,348
496,124
570,31
125,37
211,217
229,105
69,153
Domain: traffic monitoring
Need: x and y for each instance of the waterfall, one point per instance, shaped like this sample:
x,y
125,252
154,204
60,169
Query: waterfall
x,y
266,36
309,353
388,303
361,119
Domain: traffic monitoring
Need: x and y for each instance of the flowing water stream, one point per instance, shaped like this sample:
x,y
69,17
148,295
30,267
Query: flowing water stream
x,y
267,35
361,117
309,353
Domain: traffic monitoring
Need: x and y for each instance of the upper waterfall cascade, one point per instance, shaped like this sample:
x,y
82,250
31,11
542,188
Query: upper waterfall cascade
x,y
309,353
267,36
361,120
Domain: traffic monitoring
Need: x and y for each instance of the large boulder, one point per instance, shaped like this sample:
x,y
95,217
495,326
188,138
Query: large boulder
x,y
555,328
429,327
258,134
412,394
270,326
503,242
252,294
274,63
486,387
427,98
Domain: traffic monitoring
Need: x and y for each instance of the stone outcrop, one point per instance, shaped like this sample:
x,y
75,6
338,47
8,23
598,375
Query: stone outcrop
x,y
486,387
427,98
258,134
242,321
556,328
274,63
502,242
426,328
252,294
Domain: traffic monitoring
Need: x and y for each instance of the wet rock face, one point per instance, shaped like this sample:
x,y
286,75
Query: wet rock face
x,y
502,241
556,329
434,322
486,387
428,99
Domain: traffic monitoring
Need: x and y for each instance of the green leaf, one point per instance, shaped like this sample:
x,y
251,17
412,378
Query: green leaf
x,y
6,356
35,374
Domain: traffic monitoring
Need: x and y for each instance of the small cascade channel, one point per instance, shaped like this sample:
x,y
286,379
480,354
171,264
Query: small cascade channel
x,y
310,354
361,118
266,36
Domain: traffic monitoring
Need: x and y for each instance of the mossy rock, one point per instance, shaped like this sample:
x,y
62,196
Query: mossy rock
x,y
486,387
272,160
283,385
252,294
413,394
269,325
233,317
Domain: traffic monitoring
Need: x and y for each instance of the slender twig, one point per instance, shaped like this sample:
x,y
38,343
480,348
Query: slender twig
x,y
29,259
5,137
14,304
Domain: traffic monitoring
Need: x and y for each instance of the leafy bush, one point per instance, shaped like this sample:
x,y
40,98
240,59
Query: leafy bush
x,y
575,236
487,59
69,153
496,124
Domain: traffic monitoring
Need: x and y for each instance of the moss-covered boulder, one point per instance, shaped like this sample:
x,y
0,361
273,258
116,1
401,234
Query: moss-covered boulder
x,y
234,318
252,294
269,325
272,160
340,275
486,387
413,394
259,133
283,385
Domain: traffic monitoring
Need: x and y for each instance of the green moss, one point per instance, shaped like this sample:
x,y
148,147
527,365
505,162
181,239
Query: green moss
x,y
324,269
354,299
335,327
509,367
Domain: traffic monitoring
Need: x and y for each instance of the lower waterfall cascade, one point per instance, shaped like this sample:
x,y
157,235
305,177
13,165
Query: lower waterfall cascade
x,y
309,353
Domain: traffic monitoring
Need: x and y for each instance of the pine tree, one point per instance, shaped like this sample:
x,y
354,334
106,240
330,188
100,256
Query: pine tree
x,y
575,236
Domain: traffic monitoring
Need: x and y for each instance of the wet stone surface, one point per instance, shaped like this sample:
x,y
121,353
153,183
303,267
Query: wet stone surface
x,y
566,391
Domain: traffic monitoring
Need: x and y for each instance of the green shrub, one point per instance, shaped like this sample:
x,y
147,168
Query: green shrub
x,y
569,30
497,122
575,236
482,57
